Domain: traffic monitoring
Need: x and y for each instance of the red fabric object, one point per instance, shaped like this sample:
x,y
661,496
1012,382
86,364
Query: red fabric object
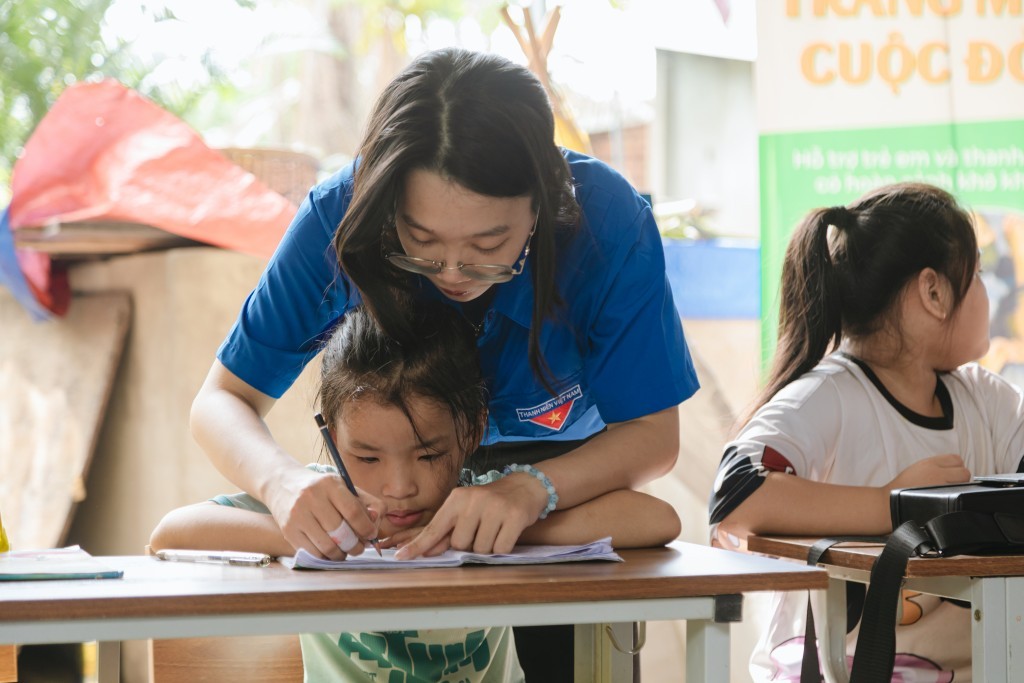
x,y
105,153
48,281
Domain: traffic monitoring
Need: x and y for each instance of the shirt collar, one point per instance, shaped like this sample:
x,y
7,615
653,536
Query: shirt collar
x,y
514,299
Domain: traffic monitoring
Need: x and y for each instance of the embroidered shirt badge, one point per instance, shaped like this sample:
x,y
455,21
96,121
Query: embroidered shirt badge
x,y
554,413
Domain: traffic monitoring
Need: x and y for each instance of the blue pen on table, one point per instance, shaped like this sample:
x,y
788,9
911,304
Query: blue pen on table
x,y
336,457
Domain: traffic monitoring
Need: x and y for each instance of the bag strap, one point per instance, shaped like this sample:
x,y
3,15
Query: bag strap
x,y
953,533
875,654
962,532
950,534
810,667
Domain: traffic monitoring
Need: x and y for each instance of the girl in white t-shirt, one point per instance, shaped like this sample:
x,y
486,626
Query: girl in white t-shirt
x,y
871,389
405,418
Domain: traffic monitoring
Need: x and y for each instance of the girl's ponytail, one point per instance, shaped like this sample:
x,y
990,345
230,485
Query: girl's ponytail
x,y
810,307
845,268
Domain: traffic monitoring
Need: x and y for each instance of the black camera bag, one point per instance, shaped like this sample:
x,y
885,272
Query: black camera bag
x,y
982,517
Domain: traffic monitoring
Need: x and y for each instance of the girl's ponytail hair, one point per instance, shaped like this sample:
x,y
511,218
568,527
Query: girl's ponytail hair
x,y
846,266
810,319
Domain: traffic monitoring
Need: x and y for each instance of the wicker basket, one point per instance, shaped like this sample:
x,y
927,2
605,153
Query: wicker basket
x,y
288,173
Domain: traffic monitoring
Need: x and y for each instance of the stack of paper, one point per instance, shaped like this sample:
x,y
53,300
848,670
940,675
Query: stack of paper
x,y
521,554
58,563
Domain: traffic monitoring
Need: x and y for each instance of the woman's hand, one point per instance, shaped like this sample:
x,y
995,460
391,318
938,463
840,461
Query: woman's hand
x,y
933,471
313,510
484,519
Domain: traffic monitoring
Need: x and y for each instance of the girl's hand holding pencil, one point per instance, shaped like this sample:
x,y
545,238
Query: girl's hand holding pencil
x,y
344,537
310,507
339,464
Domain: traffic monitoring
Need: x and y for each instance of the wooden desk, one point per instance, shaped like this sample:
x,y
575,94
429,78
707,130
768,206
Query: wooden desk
x,y
158,599
993,585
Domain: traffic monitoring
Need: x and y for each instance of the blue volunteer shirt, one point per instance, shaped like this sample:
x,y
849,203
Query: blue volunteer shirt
x,y
616,350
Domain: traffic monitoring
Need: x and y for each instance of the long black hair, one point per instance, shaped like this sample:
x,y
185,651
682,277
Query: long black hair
x,y
361,363
478,120
845,266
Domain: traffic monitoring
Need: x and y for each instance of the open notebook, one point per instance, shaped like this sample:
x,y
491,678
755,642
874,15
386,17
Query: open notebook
x,y
522,554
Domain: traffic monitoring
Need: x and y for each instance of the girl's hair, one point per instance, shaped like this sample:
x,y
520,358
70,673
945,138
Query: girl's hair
x,y
361,363
475,119
845,267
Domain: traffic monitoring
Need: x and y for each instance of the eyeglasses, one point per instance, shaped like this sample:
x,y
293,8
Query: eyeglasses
x,y
485,272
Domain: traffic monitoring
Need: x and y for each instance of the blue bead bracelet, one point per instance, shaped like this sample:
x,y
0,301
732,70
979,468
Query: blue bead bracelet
x,y
542,478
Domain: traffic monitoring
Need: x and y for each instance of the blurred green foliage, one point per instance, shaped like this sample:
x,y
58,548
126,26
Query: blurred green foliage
x,y
47,45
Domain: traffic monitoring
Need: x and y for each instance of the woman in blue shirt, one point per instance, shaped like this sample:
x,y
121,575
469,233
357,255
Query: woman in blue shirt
x,y
460,194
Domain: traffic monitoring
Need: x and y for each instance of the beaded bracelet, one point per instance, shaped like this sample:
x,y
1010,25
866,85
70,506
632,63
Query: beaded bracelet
x,y
542,478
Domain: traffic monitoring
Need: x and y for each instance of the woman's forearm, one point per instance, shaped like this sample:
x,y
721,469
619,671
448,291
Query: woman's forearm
x,y
492,518
631,518
626,456
227,423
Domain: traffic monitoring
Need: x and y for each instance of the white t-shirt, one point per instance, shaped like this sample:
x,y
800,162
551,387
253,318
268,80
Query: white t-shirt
x,y
838,424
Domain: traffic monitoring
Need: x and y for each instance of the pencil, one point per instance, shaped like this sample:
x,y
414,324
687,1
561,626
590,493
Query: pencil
x,y
336,457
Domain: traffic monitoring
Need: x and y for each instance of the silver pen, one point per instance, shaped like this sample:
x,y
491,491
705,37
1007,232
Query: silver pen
x,y
232,557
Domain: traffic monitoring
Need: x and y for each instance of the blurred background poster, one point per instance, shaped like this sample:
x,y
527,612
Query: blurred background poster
x,y
856,94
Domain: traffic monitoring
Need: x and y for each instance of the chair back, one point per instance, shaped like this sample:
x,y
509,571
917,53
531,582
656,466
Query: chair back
x,y
254,659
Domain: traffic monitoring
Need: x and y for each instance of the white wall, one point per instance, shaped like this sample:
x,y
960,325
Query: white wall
x,y
705,138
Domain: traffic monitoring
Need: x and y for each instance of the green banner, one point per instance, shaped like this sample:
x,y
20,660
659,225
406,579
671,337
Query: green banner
x,y
855,94
981,163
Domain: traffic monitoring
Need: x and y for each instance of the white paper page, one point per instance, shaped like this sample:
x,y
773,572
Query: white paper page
x,y
521,554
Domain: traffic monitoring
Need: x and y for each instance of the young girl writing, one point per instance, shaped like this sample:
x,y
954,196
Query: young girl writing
x,y
404,418
888,287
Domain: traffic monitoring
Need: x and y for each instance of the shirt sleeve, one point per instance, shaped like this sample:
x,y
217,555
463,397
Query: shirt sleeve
x,y
242,501
794,433
300,295
638,361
